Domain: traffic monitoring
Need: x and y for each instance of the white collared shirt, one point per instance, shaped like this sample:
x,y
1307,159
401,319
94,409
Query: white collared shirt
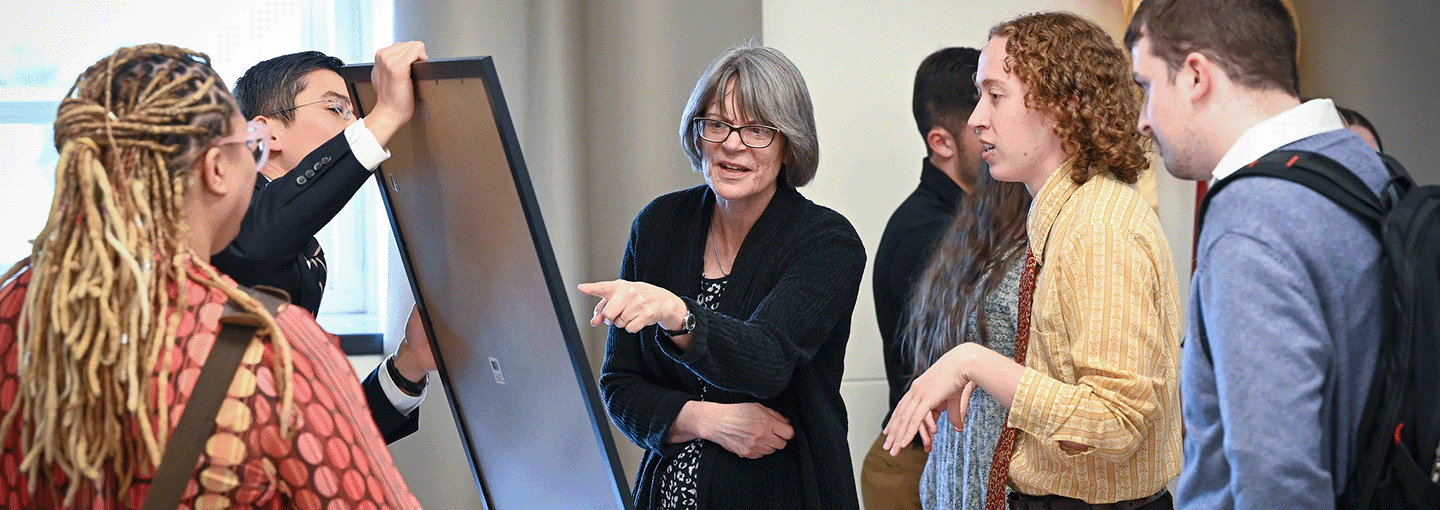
x,y
402,402
1309,119
366,148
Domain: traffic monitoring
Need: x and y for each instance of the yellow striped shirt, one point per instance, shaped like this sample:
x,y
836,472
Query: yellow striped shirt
x,y
1104,347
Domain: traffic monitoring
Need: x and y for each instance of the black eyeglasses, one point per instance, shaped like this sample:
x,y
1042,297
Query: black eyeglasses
x,y
717,131
341,107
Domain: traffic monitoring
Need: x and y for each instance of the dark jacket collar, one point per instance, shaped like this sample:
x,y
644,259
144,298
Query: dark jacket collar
x,y
935,181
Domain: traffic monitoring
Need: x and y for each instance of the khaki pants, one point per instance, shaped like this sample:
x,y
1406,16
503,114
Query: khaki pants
x,y
892,483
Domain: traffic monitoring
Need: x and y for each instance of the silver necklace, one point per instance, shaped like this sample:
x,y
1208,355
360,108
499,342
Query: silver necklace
x,y
715,252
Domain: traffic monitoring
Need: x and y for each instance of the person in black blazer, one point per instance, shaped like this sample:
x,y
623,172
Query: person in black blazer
x,y
320,155
732,311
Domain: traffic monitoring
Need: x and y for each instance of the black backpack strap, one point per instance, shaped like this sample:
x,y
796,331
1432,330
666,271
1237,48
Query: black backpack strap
x,y
1319,173
197,422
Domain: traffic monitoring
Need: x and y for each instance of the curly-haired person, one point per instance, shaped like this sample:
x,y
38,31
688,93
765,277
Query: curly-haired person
x,y
1094,409
105,327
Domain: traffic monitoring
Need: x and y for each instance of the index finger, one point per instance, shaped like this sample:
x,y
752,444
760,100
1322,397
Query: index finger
x,y
419,47
784,431
598,289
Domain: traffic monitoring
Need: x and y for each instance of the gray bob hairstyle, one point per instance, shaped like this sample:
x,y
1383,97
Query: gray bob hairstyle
x,y
768,87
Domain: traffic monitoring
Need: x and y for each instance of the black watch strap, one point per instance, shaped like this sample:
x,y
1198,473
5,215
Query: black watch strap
x,y
411,388
686,326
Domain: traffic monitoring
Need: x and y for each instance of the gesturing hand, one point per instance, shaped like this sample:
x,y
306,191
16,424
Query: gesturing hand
x,y
749,429
947,384
634,305
942,387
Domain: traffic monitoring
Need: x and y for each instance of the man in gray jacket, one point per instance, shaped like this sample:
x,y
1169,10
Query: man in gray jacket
x,y
1286,288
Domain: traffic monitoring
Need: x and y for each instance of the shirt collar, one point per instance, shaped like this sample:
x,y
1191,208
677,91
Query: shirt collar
x,y
1309,119
935,180
1047,205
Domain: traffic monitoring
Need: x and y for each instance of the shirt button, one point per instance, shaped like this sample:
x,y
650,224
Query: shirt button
x,y
301,180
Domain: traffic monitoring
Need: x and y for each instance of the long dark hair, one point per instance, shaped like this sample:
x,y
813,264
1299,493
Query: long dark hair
x,y
988,235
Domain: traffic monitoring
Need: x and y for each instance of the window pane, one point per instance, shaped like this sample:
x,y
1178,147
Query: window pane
x,y
61,38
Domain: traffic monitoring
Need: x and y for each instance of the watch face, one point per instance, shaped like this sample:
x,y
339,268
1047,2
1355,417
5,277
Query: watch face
x,y
689,324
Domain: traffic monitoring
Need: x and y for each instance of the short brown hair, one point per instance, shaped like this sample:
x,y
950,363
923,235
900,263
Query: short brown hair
x,y
1254,41
1076,72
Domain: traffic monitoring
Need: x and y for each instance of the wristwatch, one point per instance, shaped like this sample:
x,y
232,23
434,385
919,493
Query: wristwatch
x,y
686,326
407,386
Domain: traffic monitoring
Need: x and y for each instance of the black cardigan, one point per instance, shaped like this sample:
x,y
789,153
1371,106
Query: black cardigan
x,y
777,337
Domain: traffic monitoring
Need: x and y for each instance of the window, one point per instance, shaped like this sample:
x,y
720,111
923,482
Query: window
x,y
39,64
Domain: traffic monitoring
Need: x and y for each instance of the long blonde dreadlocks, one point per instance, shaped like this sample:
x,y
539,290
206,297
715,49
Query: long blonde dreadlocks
x,y
109,271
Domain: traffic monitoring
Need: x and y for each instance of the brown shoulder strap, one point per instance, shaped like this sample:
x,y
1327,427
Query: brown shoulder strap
x,y
197,423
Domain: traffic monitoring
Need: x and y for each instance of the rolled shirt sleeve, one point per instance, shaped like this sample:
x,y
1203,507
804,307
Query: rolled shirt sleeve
x,y
367,149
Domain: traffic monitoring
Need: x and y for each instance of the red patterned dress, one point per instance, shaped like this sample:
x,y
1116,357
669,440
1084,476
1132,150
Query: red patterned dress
x,y
335,459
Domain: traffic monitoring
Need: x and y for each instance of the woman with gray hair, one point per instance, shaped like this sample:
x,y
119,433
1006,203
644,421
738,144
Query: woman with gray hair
x,y
732,311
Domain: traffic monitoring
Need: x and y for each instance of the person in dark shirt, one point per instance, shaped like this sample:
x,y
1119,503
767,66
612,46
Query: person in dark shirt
x,y
732,311
319,156
943,99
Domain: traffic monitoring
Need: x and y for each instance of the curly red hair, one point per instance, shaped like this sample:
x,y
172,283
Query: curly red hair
x,y
1077,72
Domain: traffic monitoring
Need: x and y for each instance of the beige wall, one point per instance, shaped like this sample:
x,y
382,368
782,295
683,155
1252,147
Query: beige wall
x,y
1382,59
433,460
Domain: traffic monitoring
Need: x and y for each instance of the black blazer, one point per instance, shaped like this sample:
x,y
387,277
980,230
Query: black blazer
x,y
277,246
778,337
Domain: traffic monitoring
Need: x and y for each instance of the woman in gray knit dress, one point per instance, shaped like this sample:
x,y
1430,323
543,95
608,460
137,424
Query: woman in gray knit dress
x,y
968,293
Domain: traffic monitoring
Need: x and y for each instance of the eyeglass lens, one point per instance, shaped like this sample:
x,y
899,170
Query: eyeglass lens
x,y
717,131
342,108
257,141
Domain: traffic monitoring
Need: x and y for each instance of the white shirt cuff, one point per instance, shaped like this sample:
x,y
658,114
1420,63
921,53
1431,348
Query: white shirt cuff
x,y
366,148
402,402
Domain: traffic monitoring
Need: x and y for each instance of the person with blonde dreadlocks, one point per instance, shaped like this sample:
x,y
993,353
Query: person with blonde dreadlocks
x,y
104,328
